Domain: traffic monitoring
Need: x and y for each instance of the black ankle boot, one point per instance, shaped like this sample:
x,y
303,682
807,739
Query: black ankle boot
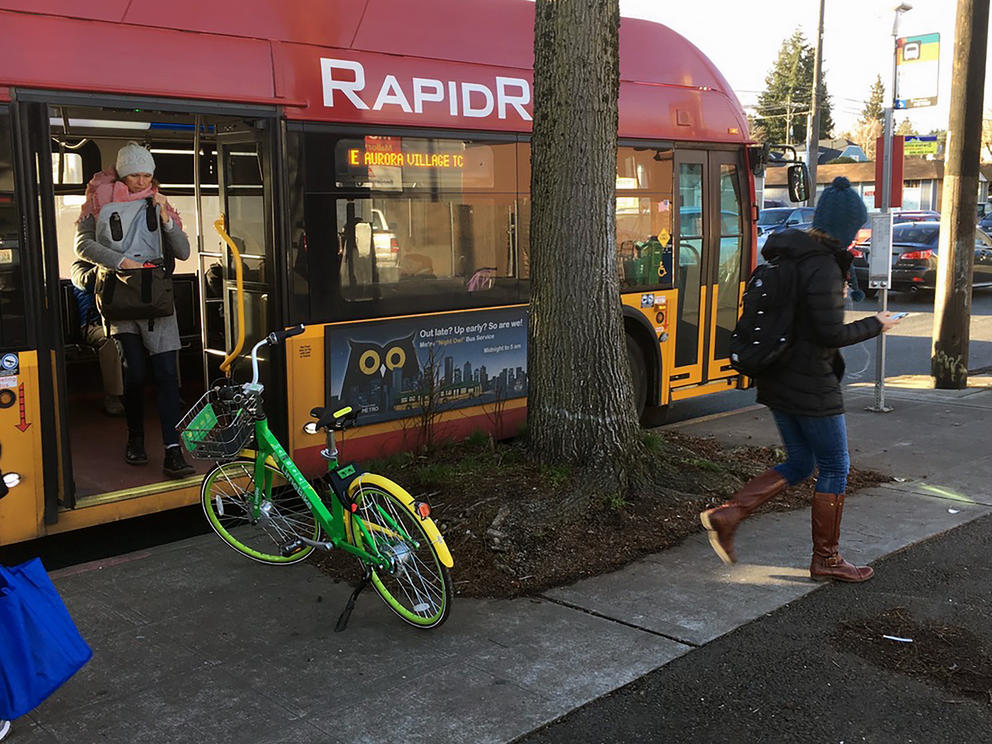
x,y
134,453
174,466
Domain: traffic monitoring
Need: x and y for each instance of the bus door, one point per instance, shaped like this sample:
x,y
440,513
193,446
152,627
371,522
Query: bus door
x,y
245,178
709,263
37,253
728,269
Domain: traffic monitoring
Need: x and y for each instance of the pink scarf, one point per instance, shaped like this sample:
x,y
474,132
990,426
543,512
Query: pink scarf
x,y
104,189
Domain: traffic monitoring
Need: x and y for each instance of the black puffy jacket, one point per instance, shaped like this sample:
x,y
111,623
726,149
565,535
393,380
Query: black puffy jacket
x,y
807,381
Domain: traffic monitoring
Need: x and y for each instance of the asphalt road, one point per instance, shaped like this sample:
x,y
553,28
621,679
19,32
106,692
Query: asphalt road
x,y
785,678
908,344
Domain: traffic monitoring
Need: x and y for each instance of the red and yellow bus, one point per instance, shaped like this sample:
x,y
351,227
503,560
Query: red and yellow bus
x,y
372,162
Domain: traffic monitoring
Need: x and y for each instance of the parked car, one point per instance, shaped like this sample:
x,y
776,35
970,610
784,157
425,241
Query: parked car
x,y
985,223
782,218
914,258
387,247
863,236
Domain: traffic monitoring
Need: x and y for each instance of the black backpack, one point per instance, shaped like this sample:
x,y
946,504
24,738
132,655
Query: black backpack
x,y
765,330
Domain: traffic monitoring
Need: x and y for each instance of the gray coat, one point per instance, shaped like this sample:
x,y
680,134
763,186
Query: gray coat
x,y
164,333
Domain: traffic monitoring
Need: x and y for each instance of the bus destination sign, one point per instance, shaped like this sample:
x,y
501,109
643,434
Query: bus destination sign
x,y
442,160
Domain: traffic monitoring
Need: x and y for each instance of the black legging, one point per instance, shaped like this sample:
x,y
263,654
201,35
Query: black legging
x,y
166,381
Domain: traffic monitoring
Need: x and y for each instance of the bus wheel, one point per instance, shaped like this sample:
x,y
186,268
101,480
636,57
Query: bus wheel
x,y
654,416
648,416
638,374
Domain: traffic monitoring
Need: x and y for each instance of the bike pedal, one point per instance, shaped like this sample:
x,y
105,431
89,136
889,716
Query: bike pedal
x,y
293,546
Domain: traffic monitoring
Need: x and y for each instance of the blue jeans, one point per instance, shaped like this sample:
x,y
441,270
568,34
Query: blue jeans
x,y
166,372
814,440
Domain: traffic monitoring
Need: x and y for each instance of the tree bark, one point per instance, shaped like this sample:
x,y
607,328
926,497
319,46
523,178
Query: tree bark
x,y
580,406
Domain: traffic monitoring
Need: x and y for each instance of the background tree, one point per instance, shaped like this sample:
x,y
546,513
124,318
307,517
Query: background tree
x,y
904,128
865,135
874,109
986,151
757,129
580,407
783,106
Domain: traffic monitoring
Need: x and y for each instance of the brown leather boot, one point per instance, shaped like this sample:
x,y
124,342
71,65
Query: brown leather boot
x,y
827,563
721,521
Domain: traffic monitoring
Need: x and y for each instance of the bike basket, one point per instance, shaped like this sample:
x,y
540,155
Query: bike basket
x,y
216,429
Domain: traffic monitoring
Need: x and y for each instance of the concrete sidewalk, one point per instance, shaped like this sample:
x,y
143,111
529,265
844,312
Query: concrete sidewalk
x,y
193,643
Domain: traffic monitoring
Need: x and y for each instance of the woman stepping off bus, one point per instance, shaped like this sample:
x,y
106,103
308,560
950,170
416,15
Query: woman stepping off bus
x,y
117,229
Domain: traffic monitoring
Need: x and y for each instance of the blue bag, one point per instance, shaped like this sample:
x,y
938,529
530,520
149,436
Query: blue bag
x,y
40,647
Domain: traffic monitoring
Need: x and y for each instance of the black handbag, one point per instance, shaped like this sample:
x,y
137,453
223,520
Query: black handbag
x,y
134,294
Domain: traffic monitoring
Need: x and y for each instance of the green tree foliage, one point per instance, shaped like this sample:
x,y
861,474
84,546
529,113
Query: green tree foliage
x,y
874,109
783,107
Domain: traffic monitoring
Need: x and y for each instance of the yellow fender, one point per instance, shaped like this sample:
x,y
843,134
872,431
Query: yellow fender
x,y
433,533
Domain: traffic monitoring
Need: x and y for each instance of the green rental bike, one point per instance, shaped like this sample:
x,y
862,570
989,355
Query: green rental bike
x,y
262,506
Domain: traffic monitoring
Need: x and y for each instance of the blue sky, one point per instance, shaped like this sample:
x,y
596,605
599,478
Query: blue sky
x,y
857,44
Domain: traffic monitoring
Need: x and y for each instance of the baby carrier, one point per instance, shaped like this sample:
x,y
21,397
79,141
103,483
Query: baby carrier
x,y
133,229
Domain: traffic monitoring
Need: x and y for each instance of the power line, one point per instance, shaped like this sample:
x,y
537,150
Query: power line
x,y
794,114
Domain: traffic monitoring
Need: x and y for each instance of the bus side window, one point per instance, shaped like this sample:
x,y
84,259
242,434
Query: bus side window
x,y
13,326
644,218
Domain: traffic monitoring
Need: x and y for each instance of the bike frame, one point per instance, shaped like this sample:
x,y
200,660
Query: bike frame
x,y
333,520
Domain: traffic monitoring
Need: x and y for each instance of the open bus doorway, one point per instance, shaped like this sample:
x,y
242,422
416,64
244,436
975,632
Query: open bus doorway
x,y
189,168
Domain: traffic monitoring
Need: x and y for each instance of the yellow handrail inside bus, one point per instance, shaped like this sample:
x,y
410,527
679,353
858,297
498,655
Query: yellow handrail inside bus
x,y
225,366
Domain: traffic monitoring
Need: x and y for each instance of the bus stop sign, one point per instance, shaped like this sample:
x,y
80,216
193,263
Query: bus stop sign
x,y
917,71
880,256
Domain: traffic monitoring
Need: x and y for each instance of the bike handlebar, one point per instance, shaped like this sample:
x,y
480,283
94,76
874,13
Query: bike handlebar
x,y
277,337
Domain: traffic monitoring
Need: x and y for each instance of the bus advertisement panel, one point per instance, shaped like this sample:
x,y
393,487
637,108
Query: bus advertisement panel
x,y
443,362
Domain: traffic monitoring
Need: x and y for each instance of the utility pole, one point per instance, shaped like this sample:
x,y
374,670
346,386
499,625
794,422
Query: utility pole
x,y
788,118
813,128
956,250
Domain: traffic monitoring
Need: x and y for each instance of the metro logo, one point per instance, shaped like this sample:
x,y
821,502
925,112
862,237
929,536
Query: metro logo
x,y
473,100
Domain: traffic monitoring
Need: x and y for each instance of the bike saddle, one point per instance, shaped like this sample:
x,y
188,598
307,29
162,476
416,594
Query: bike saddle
x,y
328,418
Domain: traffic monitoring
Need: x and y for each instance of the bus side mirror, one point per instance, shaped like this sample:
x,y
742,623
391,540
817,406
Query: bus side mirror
x,y
798,182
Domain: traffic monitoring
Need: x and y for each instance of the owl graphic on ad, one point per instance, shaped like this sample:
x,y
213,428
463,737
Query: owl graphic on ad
x,y
375,373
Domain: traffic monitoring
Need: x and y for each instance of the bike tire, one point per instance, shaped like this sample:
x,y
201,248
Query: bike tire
x,y
226,496
417,587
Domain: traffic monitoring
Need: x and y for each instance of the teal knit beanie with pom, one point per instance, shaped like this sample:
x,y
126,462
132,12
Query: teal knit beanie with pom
x,y
840,212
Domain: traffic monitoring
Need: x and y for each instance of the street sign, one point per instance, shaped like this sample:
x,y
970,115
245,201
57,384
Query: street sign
x,y
920,144
896,170
917,68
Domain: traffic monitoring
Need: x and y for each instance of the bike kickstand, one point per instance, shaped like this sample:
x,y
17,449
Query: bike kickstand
x,y
343,619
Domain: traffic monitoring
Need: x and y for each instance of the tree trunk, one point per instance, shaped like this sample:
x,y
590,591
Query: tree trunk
x,y
580,404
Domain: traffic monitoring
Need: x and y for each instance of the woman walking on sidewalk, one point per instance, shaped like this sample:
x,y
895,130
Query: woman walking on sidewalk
x,y
803,391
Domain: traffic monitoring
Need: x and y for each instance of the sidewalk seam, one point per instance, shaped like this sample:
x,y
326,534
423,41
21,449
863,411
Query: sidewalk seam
x,y
593,613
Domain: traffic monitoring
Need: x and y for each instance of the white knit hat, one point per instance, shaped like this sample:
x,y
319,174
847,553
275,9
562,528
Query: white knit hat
x,y
133,158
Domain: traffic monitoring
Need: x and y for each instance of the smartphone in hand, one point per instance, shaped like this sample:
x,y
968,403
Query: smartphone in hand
x,y
898,316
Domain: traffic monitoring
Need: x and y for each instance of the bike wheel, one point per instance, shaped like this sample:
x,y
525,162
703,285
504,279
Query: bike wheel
x,y
417,585
227,497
